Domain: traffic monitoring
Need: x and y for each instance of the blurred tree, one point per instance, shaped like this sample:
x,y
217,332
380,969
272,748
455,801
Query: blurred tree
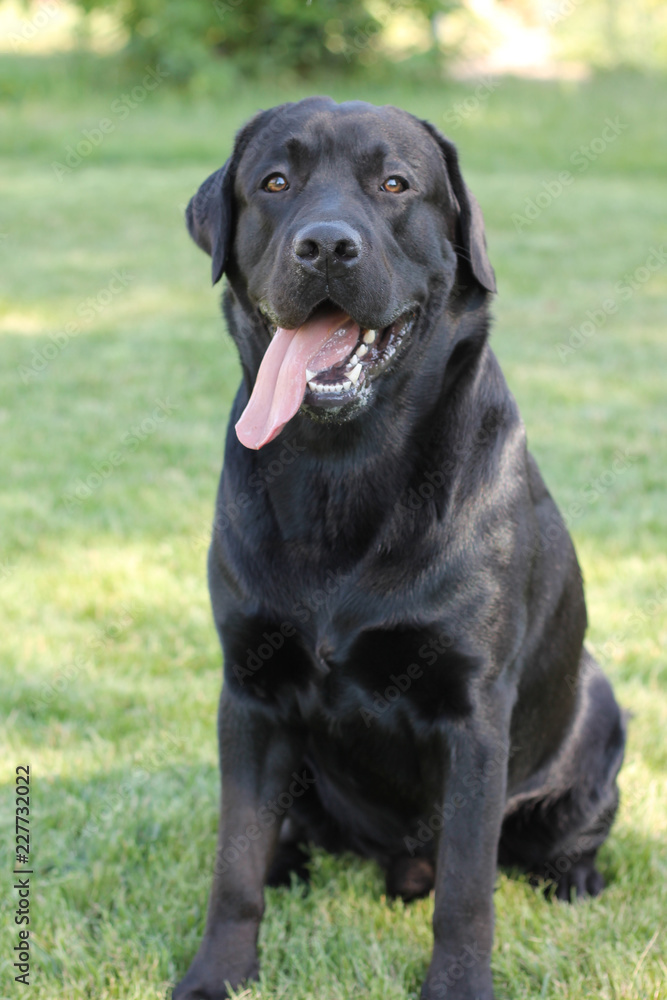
x,y
259,36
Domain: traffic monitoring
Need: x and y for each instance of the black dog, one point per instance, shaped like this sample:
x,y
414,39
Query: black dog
x,y
398,600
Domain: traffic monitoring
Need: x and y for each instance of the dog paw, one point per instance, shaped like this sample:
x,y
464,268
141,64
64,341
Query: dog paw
x,y
410,878
443,991
196,987
206,981
571,881
580,881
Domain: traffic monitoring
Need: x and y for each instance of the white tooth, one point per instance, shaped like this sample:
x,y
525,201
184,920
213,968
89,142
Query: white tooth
x,y
369,336
314,386
361,350
354,374
352,362
310,374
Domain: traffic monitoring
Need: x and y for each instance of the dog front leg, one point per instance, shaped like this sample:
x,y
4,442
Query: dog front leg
x,y
472,814
258,757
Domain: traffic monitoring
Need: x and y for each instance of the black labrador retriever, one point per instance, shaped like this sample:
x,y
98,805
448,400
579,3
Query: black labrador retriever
x,y
398,600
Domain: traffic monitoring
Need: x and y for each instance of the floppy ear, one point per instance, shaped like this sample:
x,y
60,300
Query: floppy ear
x,y
209,217
470,214
210,214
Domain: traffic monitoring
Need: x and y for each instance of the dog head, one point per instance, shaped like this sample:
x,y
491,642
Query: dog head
x,y
342,229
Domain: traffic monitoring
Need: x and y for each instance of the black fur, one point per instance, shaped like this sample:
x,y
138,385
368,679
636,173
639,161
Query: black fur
x,y
399,603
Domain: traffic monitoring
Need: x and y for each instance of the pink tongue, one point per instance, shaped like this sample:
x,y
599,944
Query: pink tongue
x,y
280,386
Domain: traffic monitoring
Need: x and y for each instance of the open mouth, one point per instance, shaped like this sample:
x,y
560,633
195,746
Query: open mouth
x,y
372,354
325,362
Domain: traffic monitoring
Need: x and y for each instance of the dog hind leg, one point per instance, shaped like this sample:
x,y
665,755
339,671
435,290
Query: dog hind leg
x,y
291,857
555,834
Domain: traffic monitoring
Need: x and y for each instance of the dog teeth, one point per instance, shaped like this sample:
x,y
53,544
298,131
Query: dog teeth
x,y
332,386
352,371
369,336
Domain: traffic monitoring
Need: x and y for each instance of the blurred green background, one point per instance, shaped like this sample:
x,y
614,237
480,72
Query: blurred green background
x,y
116,382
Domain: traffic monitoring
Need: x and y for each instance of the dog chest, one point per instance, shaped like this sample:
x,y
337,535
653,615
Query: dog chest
x,y
420,674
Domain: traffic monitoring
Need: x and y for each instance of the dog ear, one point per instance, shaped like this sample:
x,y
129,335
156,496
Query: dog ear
x,y
470,214
209,217
210,214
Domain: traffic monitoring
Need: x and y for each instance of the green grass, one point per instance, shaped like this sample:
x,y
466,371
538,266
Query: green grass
x,y
110,663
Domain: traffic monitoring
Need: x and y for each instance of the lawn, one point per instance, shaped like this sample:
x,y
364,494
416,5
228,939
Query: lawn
x,y
117,379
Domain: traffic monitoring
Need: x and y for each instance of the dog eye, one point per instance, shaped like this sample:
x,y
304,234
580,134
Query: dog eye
x,y
394,185
275,183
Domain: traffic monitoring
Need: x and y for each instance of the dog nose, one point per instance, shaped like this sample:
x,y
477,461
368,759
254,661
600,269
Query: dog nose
x,y
330,246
